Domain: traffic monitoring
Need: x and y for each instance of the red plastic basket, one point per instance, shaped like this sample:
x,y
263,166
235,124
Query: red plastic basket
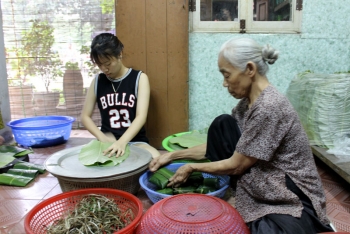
x,y
192,213
52,209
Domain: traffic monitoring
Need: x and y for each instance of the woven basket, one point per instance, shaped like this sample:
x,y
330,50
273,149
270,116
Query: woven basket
x,y
128,182
51,209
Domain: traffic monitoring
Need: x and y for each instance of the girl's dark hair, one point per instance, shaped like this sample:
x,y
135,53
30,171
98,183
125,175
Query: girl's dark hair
x,y
105,45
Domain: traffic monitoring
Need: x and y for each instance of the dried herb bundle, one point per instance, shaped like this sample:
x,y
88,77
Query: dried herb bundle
x,y
95,214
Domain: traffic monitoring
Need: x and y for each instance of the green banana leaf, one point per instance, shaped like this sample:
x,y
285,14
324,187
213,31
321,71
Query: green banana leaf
x,y
17,151
92,154
30,166
212,182
14,180
175,146
165,172
167,191
158,180
195,179
182,190
23,172
189,140
6,158
202,189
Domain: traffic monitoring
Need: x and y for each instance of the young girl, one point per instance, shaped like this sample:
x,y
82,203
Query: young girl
x,y
122,95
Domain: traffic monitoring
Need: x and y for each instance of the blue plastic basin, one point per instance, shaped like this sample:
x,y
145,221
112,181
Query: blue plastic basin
x,y
42,131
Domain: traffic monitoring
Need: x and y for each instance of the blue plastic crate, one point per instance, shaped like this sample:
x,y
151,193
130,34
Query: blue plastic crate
x,y
154,196
42,131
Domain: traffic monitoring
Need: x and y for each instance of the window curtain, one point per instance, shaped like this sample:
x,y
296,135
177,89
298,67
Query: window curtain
x,y
47,46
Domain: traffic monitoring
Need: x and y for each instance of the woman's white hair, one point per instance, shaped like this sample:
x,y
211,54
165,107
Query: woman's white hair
x,y
240,51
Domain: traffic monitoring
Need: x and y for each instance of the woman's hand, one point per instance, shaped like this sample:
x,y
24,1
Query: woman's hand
x,y
160,161
180,176
117,147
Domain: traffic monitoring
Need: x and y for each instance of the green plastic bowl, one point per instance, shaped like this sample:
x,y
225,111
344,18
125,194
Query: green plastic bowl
x,y
171,147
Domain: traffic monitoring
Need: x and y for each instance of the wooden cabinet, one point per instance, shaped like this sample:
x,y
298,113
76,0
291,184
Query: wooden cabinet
x,y
155,36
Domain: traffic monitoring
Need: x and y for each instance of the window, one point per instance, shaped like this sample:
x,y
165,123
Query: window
x,y
251,16
47,45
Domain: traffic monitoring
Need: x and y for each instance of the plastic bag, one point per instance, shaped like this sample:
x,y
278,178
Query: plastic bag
x,y
341,147
323,105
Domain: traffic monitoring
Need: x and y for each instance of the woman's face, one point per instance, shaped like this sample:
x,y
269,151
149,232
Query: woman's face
x,y
111,67
238,83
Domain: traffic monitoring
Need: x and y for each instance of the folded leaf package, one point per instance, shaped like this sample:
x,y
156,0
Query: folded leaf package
x,y
30,166
182,190
165,172
14,180
6,158
167,191
189,140
92,154
16,151
23,172
202,189
211,182
196,183
161,177
195,179
159,181
8,154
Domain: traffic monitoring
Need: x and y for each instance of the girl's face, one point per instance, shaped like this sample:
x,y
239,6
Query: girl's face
x,y
111,67
238,83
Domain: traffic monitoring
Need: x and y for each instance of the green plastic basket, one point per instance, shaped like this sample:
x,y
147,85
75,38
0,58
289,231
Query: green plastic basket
x,y
171,147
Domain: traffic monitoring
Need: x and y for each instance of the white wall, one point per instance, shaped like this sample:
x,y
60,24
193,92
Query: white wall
x,y
323,46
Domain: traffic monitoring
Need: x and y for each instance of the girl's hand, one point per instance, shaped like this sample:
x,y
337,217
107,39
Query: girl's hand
x,y
117,147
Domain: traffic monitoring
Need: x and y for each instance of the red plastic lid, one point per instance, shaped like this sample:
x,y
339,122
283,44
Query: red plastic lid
x,y
192,213
192,209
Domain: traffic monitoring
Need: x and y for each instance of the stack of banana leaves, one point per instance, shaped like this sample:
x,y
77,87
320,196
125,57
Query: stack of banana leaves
x,y
13,170
195,183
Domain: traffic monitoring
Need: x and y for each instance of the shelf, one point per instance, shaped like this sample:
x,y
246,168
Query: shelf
x,y
340,166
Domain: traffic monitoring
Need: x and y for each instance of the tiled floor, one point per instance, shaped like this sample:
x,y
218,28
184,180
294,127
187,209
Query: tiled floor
x,y
338,197
15,202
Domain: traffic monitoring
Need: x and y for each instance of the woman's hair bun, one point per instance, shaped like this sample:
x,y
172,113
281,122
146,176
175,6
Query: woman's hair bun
x,y
269,54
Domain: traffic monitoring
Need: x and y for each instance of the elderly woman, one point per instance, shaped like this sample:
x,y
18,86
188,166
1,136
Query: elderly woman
x,y
263,143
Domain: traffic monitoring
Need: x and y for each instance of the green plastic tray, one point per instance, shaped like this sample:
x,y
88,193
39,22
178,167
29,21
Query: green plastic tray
x,y
172,147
